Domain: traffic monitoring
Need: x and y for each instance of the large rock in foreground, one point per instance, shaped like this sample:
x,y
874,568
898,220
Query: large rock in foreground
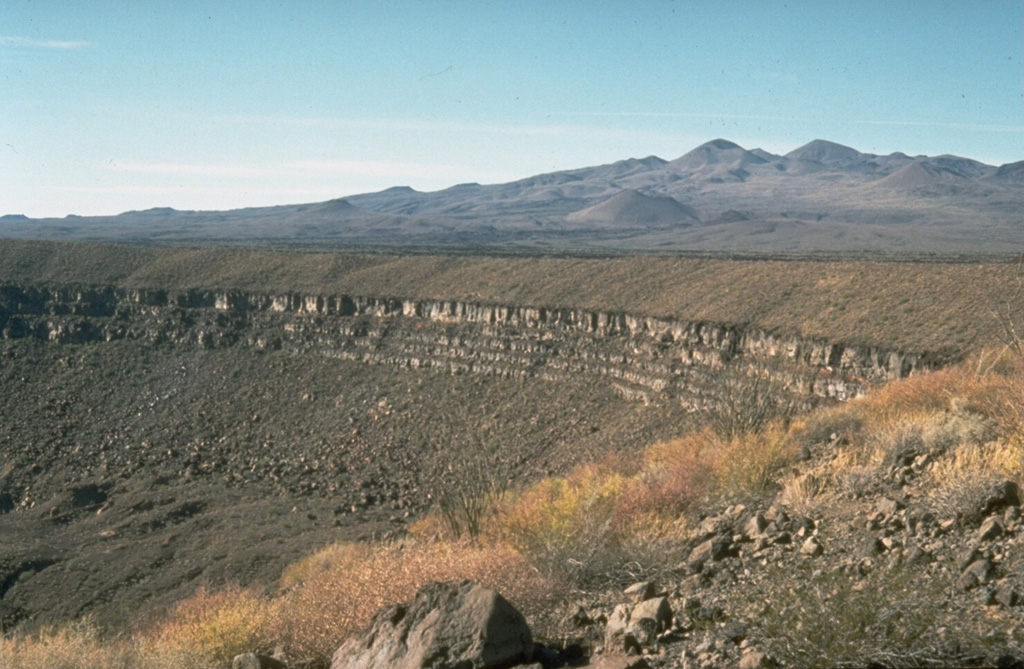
x,y
457,625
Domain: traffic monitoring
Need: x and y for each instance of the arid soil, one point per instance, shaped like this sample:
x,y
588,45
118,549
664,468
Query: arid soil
x,y
179,468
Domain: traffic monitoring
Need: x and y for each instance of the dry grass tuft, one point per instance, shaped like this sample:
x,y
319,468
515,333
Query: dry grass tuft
x,y
211,627
802,492
334,593
74,646
966,426
999,396
959,485
826,619
605,524
913,396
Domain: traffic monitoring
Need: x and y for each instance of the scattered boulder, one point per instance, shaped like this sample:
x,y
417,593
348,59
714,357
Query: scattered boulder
x,y
641,633
615,629
657,609
916,556
1006,595
641,591
871,547
992,528
580,618
812,547
256,661
977,573
755,527
889,506
1006,494
632,630
455,624
755,659
967,557
713,549
735,631
618,662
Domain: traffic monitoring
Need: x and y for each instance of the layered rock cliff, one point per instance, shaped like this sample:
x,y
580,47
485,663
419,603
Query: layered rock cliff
x,y
642,357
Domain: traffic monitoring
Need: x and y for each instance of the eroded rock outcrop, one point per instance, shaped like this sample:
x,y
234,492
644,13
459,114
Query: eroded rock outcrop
x,y
446,625
641,357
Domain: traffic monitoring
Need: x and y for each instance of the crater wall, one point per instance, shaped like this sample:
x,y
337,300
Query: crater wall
x,y
642,357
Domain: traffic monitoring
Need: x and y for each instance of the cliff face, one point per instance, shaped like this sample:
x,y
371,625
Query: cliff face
x,y
642,357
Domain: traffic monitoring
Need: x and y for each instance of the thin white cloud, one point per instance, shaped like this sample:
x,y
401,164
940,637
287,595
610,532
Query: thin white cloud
x,y
958,126
361,168
36,43
653,114
374,168
437,126
198,169
132,190
189,190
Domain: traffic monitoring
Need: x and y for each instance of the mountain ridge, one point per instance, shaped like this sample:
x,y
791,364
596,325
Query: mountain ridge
x,y
822,196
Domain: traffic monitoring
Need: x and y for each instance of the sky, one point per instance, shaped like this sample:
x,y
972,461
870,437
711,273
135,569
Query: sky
x,y
110,106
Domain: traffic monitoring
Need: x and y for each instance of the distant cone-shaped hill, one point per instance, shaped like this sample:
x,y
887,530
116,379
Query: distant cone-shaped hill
x,y
339,206
632,208
717,152
827,153
920,174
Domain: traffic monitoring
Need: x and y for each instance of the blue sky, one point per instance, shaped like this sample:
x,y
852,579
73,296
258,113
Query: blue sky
x,y
112,106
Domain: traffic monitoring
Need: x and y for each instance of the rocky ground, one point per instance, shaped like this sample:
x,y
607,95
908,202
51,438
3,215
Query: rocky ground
x,y
874,579
132,473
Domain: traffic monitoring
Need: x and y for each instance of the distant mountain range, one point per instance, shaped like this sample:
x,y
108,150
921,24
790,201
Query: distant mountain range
x,y
718,197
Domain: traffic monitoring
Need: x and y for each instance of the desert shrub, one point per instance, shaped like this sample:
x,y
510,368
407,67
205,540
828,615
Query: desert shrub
x,y
947,431
467,491
891,618
210,628
613,522
913,396
648,547
750,464
334,593
72,646
674,475
999,396
857,481
820,426
891,442
566,526
958,485
746,398
325,560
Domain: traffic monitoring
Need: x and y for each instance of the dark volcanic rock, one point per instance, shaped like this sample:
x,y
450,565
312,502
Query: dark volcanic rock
x,y
447,625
